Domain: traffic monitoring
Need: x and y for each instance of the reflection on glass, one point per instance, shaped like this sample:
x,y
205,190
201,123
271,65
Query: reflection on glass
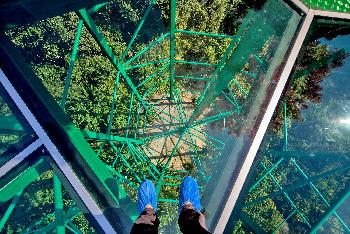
x,y
327,116
246,82
303,169
344,211
332,225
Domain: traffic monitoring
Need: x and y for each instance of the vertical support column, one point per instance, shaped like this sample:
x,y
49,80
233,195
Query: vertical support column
x,y
172,45
60,228
71,64
9,210
165,167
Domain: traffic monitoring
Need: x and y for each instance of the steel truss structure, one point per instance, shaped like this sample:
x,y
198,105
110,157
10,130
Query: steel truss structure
x,y
104,191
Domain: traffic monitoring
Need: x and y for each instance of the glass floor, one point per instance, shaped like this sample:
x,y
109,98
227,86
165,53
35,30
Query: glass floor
x,y
303,161
97,98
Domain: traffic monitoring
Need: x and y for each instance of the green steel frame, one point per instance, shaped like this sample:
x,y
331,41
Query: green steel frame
x,y
284,155
104,181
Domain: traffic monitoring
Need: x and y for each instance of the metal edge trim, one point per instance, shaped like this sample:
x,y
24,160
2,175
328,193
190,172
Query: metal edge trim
x,y
300,5
331,14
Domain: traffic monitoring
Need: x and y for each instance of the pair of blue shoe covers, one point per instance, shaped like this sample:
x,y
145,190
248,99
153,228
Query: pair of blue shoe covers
x,y
188,193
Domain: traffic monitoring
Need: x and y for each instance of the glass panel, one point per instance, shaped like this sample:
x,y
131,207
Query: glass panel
x,y
33,210
184,99
328,112
344,211
15,132
247,79
303,162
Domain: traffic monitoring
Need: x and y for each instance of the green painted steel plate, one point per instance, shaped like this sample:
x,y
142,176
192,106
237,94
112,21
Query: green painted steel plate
x,y
329,5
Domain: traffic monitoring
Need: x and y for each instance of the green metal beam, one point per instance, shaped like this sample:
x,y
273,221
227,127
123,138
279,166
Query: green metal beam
x,y
22,180
119,177
71,64
320,195
129,115
183,118
233,101
328,213
286,195
9,210
147,48
105,137
165,167
20,12
148,10
300,184
284,221
59,216
70,215
154,87
159,73
267,172
213,118
74,229
172,45
244,45
68,140
203,34
199,106
126,163
181,126
195,63
145,160
167,200
102,42
97,7
191,77
147,64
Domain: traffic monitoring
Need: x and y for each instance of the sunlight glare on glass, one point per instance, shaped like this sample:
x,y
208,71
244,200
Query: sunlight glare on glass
x,y
345,121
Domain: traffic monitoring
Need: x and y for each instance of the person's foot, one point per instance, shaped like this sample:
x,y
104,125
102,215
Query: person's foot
x,y
147,197
189,195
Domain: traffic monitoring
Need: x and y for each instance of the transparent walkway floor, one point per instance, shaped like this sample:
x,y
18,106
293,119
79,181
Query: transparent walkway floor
x,y
139,91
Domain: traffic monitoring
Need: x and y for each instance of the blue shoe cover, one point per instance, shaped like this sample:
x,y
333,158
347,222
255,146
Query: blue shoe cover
x,y
146,196
189,193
